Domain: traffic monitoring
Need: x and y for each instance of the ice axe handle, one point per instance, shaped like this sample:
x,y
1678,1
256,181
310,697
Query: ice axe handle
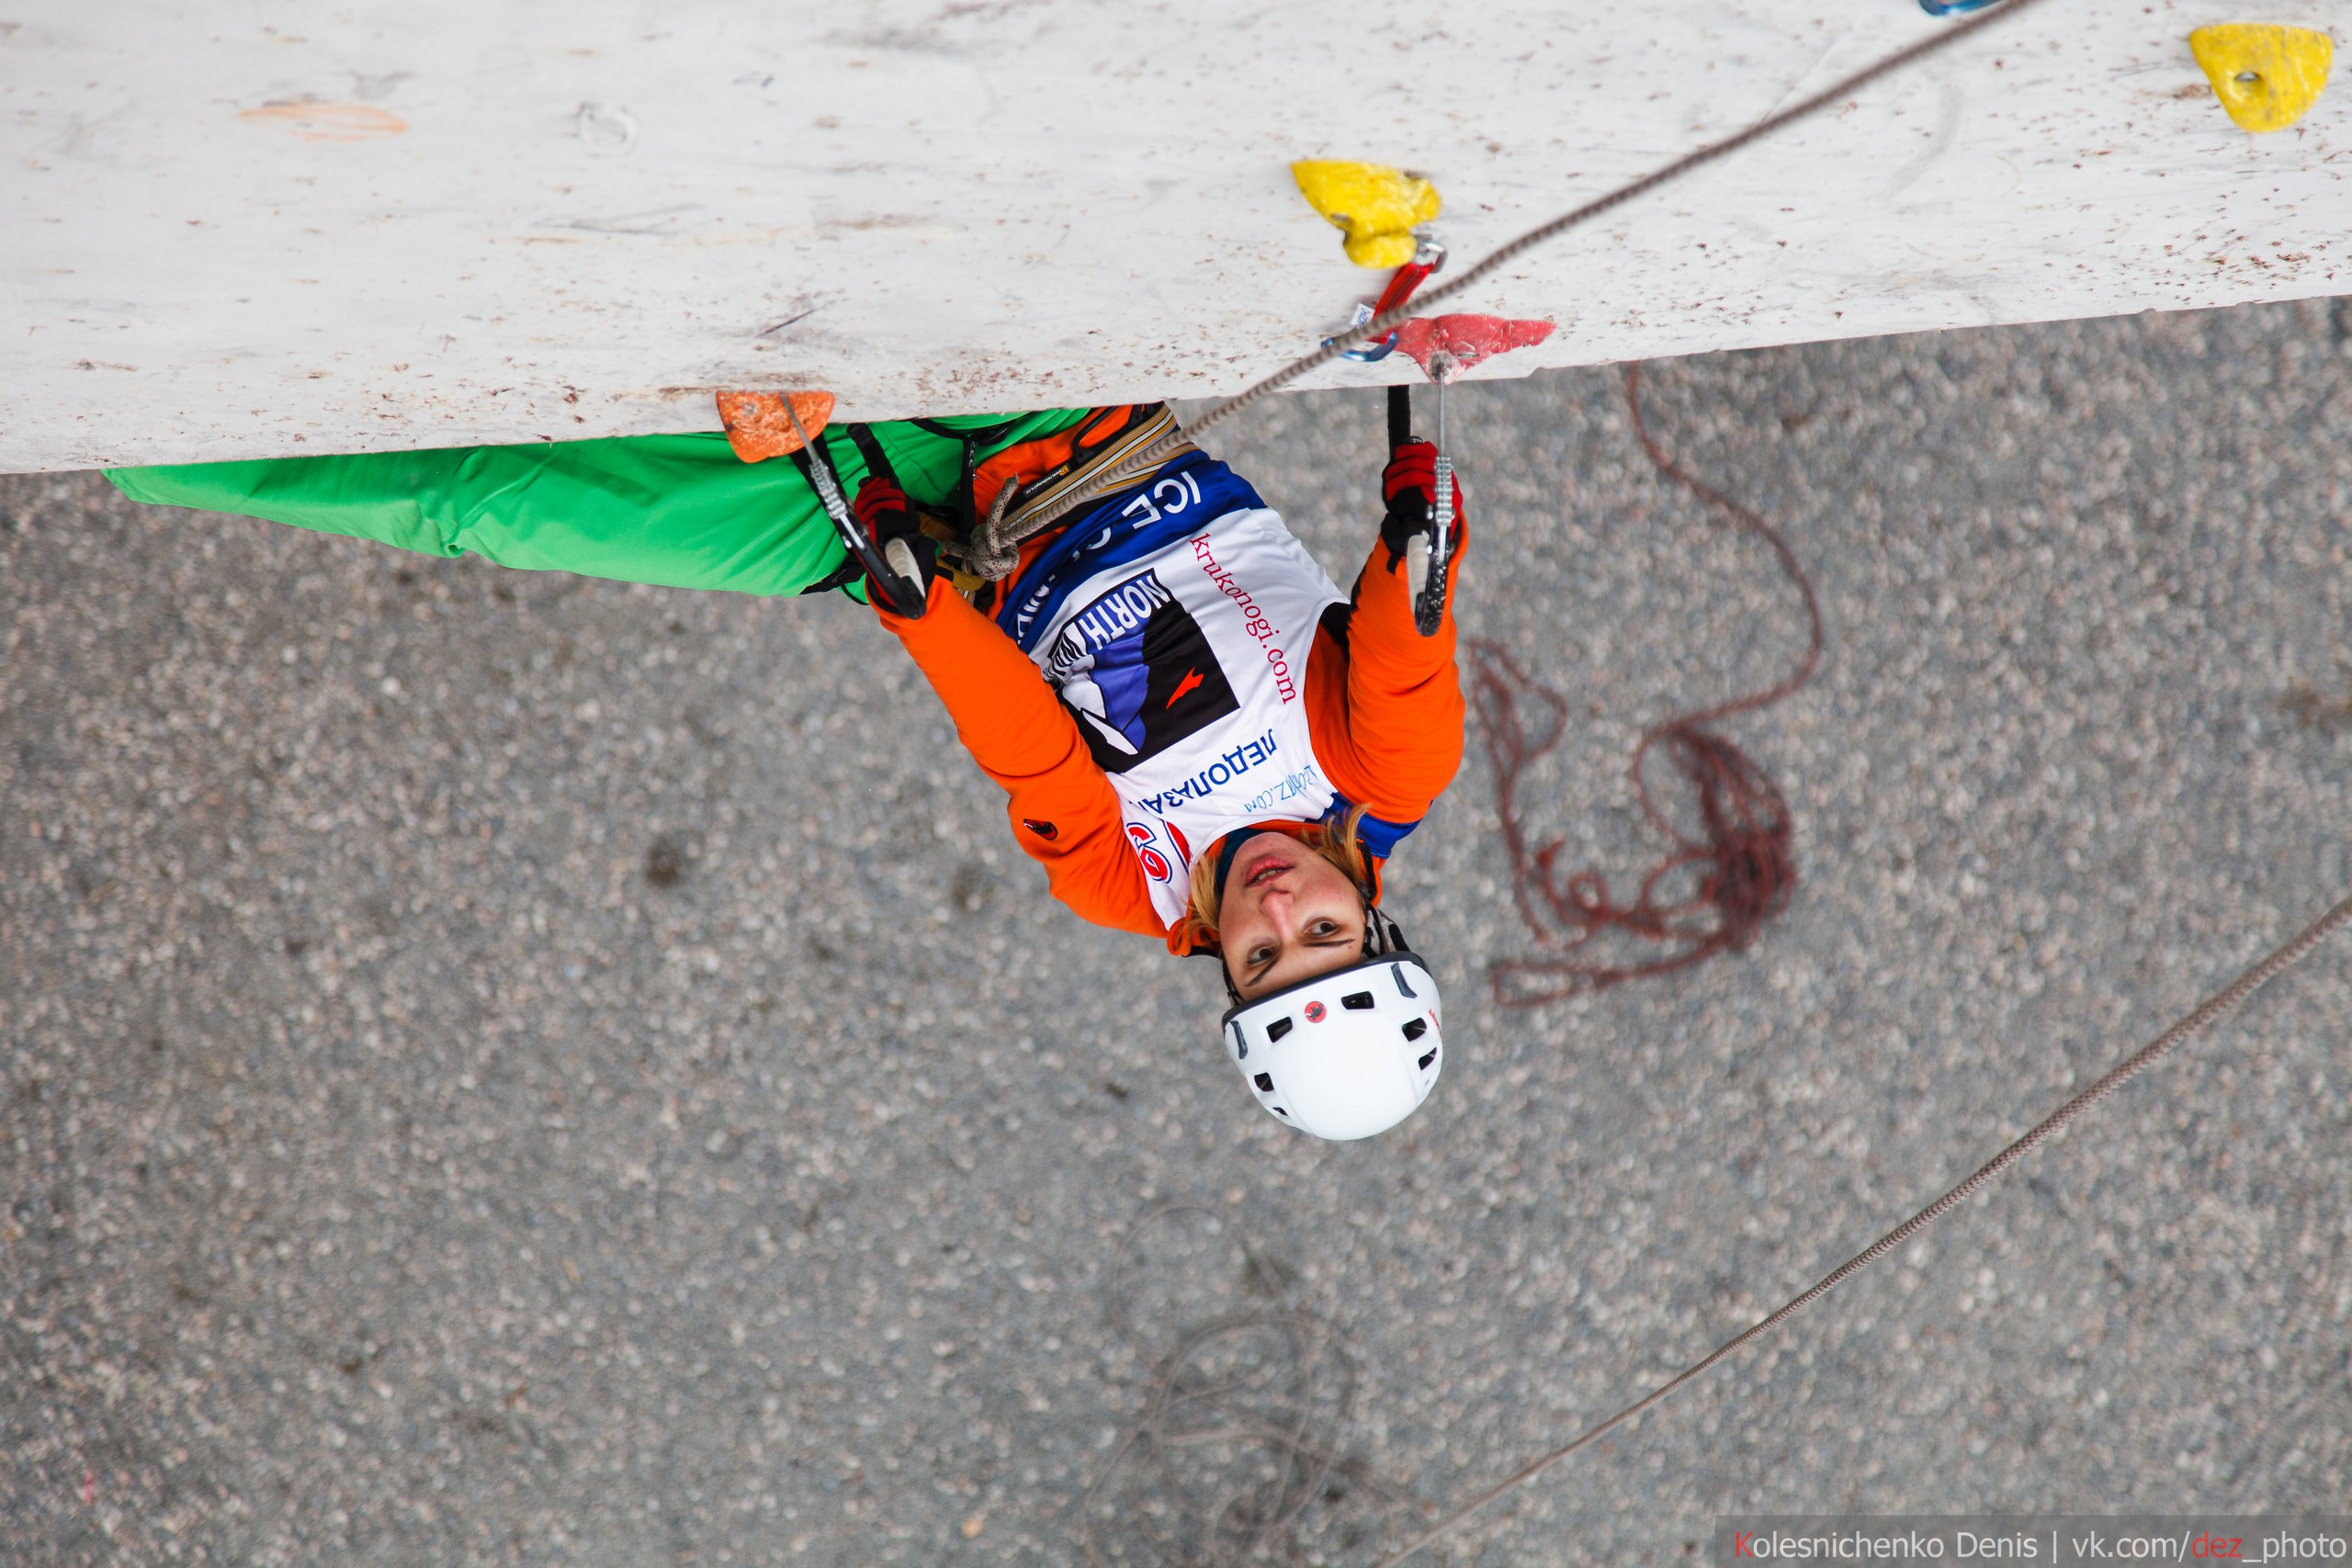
x,y
902,595
1428,604
901,592
1429,596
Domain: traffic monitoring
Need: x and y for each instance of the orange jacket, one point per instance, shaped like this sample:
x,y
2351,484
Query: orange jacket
x,y
1384,712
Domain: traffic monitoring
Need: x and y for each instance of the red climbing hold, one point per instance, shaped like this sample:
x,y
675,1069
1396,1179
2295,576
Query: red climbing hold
x,y
1467,339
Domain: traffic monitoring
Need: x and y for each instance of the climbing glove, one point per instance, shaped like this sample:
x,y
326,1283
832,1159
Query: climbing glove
x,y
883,512
1409,486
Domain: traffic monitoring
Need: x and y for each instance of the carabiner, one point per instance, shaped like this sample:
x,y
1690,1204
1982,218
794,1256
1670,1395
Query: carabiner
x,y
1401,284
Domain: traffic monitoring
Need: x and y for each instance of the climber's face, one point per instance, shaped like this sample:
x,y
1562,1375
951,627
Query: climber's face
x,y
1287,915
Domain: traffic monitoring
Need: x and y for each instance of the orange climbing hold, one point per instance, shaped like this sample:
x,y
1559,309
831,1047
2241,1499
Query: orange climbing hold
x,y
758,425
2266,76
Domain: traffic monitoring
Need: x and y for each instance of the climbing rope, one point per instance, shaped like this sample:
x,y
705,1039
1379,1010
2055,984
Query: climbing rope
x,y
994,551
2277,962
1117,476
1743,857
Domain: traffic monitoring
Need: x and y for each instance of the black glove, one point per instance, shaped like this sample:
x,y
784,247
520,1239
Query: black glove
x,y
1409,486
883,512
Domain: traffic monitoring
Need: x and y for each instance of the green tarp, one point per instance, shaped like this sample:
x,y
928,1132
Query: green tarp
x,y
677,511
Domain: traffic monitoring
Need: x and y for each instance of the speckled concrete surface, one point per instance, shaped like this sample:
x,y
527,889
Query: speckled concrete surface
x,y
502,1068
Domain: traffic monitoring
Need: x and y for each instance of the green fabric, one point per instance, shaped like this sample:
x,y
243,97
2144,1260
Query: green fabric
x,y
676,511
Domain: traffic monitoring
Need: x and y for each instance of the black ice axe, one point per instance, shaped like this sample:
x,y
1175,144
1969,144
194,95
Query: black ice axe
x,y
892,570
1428,565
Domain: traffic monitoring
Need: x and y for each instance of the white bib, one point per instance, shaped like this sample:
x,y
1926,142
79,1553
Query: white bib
x,y
1187,669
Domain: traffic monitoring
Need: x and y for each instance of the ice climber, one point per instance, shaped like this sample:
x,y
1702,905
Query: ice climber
x,y
1204,739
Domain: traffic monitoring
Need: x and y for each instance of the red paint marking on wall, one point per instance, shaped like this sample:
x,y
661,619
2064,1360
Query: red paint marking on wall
x,y
89,1487
1468,339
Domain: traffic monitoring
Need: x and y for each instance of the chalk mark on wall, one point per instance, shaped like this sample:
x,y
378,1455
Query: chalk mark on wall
x,y
608,130
655,220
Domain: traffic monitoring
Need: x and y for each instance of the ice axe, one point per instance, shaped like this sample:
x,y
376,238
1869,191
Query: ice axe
x,y
892,570
1428,557
1445,346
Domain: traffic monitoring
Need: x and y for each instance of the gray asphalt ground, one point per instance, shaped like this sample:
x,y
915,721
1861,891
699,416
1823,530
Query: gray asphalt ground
x,y
502,1068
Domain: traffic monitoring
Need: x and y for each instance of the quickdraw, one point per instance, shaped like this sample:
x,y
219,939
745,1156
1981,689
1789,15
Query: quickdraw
x,y
1426,260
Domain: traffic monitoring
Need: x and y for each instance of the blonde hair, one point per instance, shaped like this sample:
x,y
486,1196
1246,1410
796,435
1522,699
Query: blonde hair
x,y
1335,841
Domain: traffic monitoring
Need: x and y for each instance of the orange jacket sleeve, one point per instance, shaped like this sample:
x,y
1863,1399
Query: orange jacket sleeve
x,y
1384,703
1065,814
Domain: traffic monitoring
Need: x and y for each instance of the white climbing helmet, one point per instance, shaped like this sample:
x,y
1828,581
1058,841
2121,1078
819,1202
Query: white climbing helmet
x,y
1347,1054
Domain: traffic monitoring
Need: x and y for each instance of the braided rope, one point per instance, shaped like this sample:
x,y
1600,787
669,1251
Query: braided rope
x,y
2279,959
1127,472
994,549
994,554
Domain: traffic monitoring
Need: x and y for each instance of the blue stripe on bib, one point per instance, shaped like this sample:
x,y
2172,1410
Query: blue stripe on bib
x,y
1181,498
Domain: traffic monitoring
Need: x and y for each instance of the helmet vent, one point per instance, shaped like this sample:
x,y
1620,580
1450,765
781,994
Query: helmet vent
x,y
1427,1059
1415,1028
1280,1112
1357,1001
1265,1082
1277,1029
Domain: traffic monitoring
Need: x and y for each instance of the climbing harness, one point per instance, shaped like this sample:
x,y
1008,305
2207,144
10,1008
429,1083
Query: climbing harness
x,y
994,550
2271,966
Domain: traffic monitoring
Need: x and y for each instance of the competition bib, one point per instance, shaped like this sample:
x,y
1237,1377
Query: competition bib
x,y
1177,630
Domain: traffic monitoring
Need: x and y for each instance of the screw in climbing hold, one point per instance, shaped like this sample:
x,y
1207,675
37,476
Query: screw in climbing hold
x,y
2266,76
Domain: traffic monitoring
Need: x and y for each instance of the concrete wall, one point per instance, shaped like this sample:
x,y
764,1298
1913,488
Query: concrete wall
x,y
270,228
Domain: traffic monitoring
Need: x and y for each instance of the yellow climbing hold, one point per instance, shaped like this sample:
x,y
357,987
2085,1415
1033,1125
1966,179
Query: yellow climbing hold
x,y
1377,206
2265,76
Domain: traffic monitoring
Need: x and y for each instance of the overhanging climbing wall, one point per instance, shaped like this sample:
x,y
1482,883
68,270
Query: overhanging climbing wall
x,y
275,227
